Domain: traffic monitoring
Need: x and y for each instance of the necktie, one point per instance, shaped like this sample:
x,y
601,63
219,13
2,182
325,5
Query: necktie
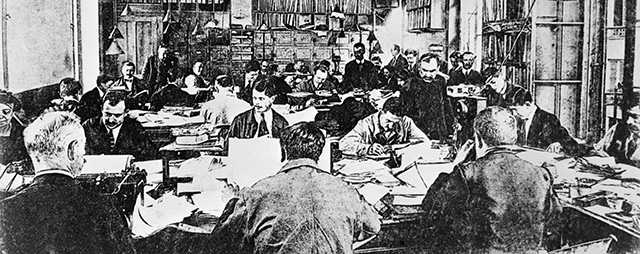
x,y
112,140
631,146
262,128
522,135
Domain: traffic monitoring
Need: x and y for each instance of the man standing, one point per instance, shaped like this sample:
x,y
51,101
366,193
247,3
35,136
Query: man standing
x,y
252,72
359,72
496,204
412,67
398,62
438,49
375,134
115,133
53,214
466,75
157,69
91,102
261,120
302,209
425,100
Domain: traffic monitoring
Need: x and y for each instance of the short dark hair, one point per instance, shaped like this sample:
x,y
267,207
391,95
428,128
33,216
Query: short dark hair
x,y
302,140
104,78
518,97
7,98
174,74
358,45
70,86
426,57
224,81
396,47
468,53
411,52
325,63
320,67
455,54
376,58
128,63
496,126
266,85
114,97
394,106
490,72
252,65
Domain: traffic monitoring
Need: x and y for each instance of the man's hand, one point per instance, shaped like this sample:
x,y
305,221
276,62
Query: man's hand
x,y
555,148
230,190
376,149
463,152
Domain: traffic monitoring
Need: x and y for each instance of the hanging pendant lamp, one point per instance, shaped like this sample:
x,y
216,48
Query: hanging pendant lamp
x,y
114,49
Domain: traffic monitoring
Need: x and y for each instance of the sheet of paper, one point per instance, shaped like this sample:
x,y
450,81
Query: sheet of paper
x,y
152,166
408,200
306,115
251,160
209,202
158,214
110,164
373,192
538,157
421,176
407,191
422,151
359,167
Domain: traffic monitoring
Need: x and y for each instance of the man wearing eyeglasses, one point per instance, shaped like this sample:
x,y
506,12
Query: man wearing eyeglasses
x,y
114,133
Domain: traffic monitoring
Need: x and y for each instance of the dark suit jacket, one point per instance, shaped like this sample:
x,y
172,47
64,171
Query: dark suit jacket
x,y
170,95
138,85
357,77
428,106
156,71
457,77
12,147
90,105
496,99
546,129
54,215
245,125
399,62
131,140
498,202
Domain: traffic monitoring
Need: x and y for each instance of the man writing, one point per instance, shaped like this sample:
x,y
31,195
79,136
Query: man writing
x,y
53,214
496,204
261,120
375,134
115,133
302,209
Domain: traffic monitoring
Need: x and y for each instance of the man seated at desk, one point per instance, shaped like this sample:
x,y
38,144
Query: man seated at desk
x,y
498,203
621,140
115,133
302,209
260,120
375,134
91,102
496,88
540,129
226,105
318,83
11,139
54,214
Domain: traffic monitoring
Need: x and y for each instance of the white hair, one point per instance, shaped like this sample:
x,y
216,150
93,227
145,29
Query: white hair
x,y
48,137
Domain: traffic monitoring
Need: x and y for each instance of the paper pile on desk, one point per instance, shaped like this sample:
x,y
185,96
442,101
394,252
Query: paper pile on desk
x,y
251,160
158,214
419,178
153,169
110,164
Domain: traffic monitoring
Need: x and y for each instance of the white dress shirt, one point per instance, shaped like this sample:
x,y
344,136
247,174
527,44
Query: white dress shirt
x,y
268,117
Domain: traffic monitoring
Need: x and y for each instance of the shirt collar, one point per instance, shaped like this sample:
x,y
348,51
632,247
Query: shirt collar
x,y
533,112
295,163
53,171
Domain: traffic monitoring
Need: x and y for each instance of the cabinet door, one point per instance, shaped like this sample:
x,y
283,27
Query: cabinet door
x,y
142,36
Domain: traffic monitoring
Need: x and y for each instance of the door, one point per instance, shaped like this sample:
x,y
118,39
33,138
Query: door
x,y
142,36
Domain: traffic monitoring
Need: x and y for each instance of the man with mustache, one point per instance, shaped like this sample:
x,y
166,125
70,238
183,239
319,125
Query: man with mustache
x,y
115,133
425,100
466,75
359,71
621,140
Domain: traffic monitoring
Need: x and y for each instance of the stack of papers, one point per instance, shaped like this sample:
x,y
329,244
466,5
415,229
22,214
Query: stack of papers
x,y
158,214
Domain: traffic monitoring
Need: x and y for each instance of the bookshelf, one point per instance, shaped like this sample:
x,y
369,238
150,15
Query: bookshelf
x,y
299,13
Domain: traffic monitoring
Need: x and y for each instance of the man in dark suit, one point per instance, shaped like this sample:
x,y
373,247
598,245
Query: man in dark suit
x,y
466,75
251,74
541,129
54,214
261,120
412,67
425,101
496,88
157,68
136,87
359,72
498,203
115,133
91,102
398,61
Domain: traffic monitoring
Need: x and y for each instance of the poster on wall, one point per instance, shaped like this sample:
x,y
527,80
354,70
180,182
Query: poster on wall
x,y
241,12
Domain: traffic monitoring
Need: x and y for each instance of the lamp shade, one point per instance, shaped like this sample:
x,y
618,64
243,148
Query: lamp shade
x,y
197,30
114,49
372,37
127,11
168,18
377,49
115,34
337,13
341,34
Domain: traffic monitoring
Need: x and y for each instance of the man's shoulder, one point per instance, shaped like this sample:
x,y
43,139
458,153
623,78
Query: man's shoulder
x,y
91,122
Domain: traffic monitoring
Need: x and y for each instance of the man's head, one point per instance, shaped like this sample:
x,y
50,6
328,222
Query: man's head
x,y
8,105
467,60
56,140
70,89
455,58
412,56
128,69
298,65
358,50
388,71
224,82
264,93
437,49
320,74
302,141
197,67
521,102
264,66
104,82
493,79
494,126
163,52
114,108
377,61
392,112
633,122
428,67
395,50
251,70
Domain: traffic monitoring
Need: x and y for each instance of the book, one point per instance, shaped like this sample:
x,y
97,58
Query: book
x,y
192,140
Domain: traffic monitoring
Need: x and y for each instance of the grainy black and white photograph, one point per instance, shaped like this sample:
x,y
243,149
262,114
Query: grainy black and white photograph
x,y
319,126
